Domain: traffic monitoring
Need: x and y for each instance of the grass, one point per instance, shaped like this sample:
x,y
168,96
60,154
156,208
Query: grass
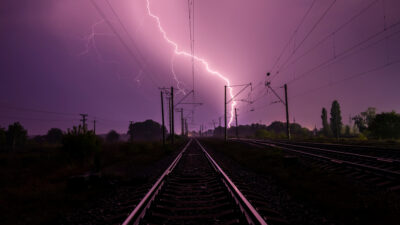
x,y
336,196
33,182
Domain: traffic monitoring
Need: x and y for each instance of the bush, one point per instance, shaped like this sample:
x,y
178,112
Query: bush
x,y
112,136
2,136
385,126
54,135
16,135
81,144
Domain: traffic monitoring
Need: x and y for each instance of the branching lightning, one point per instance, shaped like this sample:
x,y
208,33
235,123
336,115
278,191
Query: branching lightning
x,y
196,58
178,82
90,40
90,44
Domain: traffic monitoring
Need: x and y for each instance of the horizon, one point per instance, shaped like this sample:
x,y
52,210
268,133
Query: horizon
x,y
109,59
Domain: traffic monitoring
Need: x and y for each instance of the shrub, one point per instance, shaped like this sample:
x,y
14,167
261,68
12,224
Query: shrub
x,y
2,137
385,126
54,135
16,135
112,136
81,144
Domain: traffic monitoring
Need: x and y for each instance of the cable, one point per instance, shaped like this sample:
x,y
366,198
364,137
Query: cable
x,y
345,24
293,35
131,40
124,44
37,110
343,55
309,33
350,77
37,119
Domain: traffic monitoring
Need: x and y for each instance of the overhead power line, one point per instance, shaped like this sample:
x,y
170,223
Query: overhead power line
x,y
293,35
348,52
124,44
381,67
331,34
6,105
309,33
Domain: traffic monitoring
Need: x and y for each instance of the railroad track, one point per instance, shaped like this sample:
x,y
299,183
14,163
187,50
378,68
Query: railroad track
x,y
195,190
380,170
374,151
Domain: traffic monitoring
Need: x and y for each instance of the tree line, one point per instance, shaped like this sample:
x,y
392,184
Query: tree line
x,y
367,124
79,137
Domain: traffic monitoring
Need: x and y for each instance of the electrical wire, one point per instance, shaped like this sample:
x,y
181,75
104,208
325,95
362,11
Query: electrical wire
x,y
293,35
327,37
320,19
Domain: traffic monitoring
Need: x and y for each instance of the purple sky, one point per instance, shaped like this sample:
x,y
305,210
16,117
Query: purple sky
x,y
51,61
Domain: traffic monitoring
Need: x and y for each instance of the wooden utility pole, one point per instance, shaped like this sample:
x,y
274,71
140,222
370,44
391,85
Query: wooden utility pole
x,y
182,122
225,130
169,115
237,128
84,121
172,116
186,128
94,126
287,113
162,118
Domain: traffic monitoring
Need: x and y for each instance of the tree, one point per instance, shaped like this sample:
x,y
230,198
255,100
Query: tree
x,y
54,135
80,144
347,132
16,135
364,119
369,115
147,130
112,136
130,131
2,137
336,119
326,130
386,125
360,123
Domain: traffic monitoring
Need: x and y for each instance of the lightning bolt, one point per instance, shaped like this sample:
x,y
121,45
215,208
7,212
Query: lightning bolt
x,y
198,59
90,44
90,40
179,84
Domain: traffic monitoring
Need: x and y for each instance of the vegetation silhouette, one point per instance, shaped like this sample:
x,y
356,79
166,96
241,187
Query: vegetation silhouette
x,y
336,119
112,136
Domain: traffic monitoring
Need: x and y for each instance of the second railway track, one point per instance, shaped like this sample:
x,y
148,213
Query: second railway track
x,y
195,190
362,166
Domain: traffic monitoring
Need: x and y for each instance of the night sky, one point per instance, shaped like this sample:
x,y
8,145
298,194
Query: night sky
x,y
61,58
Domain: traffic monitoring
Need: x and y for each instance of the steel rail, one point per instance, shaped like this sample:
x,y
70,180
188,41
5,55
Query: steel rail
x,y
389,160
252,216
338,161
140,210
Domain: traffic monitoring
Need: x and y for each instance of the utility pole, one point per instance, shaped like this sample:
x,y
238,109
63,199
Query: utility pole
x,y
172,116
162,118
94,126
182,122
237,128
225,131
186,128
84,121
287,113
169,115
130,130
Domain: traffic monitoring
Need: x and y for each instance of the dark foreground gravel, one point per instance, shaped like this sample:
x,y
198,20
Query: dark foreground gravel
x,y
278,199
123,196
